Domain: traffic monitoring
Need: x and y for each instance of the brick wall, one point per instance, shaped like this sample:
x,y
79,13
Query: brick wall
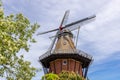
x,y
59,65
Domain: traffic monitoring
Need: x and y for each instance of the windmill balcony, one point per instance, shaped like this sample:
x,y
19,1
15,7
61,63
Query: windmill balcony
x,y
61,54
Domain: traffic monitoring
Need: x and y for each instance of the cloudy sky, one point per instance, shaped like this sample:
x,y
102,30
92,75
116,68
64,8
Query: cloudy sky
x,y
100,38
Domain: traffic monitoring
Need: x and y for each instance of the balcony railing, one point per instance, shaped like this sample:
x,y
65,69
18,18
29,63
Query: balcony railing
x,y
72,51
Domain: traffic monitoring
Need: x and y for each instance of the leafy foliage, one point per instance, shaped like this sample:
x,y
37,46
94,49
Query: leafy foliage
x,y
64,75
50,76
15,33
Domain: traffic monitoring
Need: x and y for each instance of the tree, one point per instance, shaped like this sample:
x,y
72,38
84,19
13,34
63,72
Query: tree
x,y
67,75
15,33
64,75
50,76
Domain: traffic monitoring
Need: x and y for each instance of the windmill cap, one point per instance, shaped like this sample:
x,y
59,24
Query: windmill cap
x,y
65,32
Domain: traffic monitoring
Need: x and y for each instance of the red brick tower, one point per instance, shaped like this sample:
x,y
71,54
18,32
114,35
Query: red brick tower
x,y
63,55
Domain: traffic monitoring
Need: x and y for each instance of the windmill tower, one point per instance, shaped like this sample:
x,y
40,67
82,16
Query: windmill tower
x,y
63,54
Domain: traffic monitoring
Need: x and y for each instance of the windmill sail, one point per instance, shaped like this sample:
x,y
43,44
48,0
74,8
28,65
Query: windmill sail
x,y
73,25
65,18
76,24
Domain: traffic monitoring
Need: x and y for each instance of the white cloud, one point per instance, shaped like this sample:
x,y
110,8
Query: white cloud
x,y
104,32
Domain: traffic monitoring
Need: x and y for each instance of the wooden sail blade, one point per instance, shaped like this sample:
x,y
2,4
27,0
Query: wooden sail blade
x,y
65,18
48,31
76,24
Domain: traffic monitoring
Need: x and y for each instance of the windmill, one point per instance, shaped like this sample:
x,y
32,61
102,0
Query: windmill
x,y
65,56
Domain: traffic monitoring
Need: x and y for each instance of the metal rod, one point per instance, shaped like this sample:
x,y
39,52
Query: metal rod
x,y
52,45
86,70
77,36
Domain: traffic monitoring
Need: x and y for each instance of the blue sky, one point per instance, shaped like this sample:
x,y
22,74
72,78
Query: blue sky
x,y
100,38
